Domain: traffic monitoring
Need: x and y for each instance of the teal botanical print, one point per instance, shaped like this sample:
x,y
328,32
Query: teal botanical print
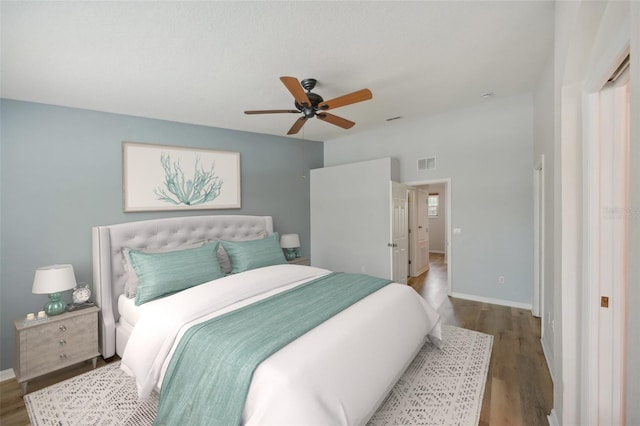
x,y
205,185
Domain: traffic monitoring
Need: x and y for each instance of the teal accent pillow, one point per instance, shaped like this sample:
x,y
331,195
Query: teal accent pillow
x,y
246,255
162,274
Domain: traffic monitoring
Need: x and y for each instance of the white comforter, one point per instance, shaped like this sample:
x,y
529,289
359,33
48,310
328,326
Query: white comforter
x,y
336,374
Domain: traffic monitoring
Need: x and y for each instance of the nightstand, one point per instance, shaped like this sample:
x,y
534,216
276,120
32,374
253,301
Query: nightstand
x,y
300,261
58,342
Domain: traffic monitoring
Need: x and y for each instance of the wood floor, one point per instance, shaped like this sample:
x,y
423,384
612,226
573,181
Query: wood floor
x,y
518,389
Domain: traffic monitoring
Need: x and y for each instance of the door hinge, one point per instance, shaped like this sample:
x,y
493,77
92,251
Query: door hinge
x,y
604,301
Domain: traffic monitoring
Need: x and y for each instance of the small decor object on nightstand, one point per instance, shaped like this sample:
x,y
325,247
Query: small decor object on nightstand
x,y
31,318
290,243
53,280
81,295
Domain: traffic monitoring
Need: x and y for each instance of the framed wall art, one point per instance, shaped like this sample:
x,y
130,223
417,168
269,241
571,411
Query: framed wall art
x,y
164,177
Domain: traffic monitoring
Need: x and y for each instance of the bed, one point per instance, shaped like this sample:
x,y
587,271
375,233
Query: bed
x,y
337,373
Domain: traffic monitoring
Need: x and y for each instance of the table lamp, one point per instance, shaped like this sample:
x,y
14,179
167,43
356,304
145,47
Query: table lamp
x,y
53,280
290,242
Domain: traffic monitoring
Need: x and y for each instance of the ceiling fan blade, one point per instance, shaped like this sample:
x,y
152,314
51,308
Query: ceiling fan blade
x,y
293,85
348,99
335,120
273,111
297,126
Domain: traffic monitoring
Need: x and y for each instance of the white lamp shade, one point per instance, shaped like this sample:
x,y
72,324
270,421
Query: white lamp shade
x,y
289,241
53,279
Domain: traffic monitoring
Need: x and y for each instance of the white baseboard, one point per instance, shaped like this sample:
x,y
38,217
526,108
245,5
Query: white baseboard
x,y
502,302
552,417
7,375
436,251
545,351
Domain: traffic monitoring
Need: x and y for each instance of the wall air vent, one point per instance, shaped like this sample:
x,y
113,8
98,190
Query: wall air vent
x,y
426,163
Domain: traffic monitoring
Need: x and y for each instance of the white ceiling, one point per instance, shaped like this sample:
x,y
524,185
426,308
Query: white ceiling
x,y
207,62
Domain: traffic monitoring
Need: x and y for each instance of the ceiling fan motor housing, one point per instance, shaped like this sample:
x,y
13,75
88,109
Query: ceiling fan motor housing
x,y
315,100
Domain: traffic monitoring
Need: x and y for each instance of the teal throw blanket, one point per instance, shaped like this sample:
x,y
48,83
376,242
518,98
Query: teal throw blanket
x,y
208,377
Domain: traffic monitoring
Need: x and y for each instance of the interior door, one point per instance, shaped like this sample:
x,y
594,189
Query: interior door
x,y
422,233
613,245
399,233
413,226
606,258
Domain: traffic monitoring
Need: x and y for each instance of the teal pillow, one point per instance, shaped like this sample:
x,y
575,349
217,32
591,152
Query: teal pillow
x,y
161,274
246,255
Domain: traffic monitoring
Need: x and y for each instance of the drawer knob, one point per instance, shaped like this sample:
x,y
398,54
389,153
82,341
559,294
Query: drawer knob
x,y
63,328
63,356
63,342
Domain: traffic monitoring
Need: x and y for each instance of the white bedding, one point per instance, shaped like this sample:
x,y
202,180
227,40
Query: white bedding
x,y
128,310
338,373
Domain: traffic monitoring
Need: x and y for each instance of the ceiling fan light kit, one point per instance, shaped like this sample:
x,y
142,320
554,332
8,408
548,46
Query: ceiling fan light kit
x,y
313,105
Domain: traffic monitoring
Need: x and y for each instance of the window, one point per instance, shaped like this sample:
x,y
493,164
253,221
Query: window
x,y
432,205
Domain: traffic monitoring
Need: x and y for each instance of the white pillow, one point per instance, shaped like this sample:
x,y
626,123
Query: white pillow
x,y
131,278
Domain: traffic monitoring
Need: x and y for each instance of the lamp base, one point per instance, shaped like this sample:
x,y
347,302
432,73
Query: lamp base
x,y
290,253
55,305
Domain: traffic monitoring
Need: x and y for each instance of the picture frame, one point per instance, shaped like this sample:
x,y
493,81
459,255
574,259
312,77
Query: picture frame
x,y
167,177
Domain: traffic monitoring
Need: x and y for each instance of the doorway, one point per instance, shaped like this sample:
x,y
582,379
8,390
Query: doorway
x,y
438,225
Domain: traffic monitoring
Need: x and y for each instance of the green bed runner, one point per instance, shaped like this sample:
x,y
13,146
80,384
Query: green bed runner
x,y
208,378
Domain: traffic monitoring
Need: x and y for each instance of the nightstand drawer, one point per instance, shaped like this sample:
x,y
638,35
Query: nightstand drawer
x,y
57,345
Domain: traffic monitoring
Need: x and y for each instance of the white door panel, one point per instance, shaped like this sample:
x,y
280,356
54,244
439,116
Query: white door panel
x,y
399,233
422,233
606,258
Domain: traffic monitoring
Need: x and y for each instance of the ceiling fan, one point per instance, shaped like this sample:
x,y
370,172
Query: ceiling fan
x,y
312,105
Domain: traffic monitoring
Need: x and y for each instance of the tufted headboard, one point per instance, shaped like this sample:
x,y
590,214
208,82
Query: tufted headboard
x,y
108,242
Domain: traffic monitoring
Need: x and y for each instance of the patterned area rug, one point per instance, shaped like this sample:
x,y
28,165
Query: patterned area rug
x,y
440,387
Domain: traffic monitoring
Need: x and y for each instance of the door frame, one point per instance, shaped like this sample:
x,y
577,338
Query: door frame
x,y
448,191
538,241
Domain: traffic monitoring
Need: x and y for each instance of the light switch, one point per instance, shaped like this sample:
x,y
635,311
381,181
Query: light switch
x,y
457,231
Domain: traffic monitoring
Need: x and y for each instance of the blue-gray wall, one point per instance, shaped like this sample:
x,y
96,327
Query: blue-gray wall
x,y
60,172
487,152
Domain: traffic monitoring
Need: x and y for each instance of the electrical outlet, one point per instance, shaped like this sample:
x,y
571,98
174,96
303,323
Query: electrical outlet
x,y
501,279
